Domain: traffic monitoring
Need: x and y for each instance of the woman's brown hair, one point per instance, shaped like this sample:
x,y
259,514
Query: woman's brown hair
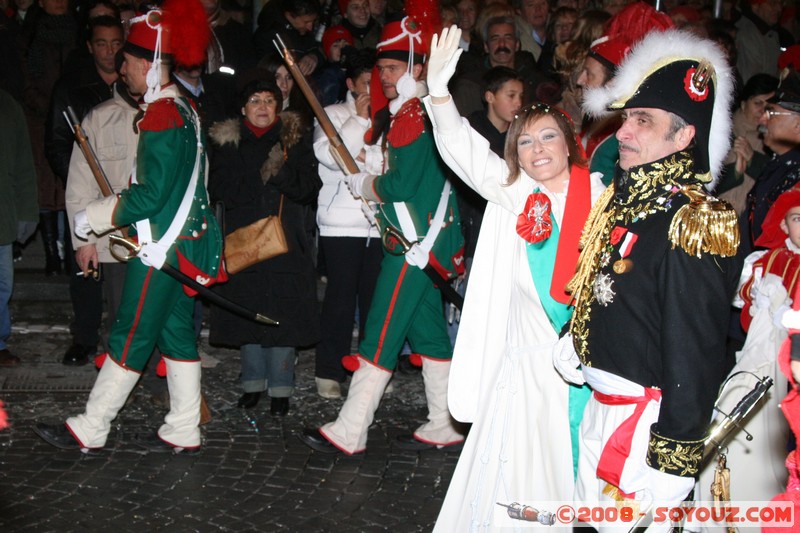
x,y
529,115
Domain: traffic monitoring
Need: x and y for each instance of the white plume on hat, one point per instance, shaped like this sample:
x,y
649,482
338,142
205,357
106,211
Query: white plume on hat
x,y
655,51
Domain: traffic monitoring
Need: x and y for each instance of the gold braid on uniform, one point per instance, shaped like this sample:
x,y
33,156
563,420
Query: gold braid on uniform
x,y
705,224
595,233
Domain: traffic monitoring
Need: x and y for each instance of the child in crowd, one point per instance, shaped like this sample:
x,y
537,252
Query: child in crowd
x,y
768,282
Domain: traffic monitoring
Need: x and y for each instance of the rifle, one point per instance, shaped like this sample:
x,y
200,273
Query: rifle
x,y
105,187
718,435
392,237
88,152
338,149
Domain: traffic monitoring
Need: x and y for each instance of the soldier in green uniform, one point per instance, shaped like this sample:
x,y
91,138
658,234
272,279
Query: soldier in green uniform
x,y
168,211
414,196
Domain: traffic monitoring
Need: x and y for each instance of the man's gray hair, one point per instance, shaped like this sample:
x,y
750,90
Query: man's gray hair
x,y
676,124
499,20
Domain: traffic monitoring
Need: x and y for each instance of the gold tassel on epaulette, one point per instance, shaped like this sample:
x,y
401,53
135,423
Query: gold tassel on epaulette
x,y
705,225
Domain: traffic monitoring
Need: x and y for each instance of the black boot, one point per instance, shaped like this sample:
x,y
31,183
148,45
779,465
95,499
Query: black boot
x,y
279,407
248,400
48,225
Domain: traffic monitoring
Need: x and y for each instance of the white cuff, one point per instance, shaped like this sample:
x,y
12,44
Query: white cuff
x,y
445,117
100,213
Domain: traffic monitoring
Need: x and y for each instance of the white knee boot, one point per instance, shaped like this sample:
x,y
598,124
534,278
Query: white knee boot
x,y
440,429
349,431
181,425
112,387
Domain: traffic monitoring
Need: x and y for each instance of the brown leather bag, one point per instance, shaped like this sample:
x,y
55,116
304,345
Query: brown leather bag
x,y
261,240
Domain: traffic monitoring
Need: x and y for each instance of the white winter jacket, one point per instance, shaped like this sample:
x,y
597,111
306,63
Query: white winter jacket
x,y
338,213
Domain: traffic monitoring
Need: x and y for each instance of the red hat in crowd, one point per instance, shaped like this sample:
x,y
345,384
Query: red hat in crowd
x,y
610,50
772,236
625,29
332,36
343,7
790,58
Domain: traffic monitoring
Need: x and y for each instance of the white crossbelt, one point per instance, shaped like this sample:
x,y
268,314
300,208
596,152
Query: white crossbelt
x,y
419,252
154,253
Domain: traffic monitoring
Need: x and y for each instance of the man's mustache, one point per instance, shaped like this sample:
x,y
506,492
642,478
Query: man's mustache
x,y
623,146
502,49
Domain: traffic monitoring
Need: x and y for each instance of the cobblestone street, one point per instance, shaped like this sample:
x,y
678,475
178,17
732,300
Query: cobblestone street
x,y
253,474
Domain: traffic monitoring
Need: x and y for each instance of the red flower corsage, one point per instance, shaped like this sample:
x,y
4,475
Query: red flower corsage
x,y
616,234
534,223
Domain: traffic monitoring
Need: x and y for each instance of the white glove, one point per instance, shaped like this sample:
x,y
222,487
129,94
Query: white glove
x,y
566,360
355,182
444,57
81,225
668,489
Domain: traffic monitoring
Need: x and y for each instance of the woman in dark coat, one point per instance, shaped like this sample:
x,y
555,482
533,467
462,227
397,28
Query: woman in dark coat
x,y
256,160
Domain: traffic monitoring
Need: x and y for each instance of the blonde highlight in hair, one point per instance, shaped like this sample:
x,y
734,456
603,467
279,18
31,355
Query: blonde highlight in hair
x,y
526,117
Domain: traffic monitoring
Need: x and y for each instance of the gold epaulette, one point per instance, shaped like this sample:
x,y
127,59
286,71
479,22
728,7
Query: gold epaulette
x,y
705,225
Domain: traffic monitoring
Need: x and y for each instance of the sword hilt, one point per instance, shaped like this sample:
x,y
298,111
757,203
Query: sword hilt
x,y
132,247
391,233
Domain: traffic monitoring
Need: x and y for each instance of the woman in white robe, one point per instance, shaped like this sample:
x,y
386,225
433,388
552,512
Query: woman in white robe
x,y
502,378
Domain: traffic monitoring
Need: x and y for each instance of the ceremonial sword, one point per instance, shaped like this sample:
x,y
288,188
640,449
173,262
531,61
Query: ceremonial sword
x,y
179,276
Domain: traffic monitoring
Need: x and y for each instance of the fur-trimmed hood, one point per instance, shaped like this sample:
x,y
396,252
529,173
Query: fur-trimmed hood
x,y
230,132
656,51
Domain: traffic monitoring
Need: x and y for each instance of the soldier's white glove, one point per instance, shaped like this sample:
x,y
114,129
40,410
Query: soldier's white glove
x,y
81,225
566,360
356,182
444,57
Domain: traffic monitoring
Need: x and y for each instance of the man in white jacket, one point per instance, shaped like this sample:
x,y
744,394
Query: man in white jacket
x,y
349,242
109,129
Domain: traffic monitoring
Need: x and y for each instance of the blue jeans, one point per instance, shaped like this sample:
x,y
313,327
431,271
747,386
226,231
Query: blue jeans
x,y
268,369
6,284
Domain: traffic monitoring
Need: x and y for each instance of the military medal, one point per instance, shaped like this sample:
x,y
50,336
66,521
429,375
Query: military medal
x,y
603,289
624,264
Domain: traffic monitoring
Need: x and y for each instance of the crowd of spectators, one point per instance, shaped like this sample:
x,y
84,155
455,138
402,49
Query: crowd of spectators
x,y
56,54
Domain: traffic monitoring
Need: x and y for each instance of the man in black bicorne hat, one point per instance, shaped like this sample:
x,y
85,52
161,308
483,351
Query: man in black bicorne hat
x,y
656,276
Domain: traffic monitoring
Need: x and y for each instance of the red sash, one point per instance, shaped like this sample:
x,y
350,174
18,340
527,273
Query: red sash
x,y
576,211
618,448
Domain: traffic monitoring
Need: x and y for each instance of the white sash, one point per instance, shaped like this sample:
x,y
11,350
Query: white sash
x,y
154,253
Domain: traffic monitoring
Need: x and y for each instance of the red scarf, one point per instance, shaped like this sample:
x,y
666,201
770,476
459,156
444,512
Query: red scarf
x,y
259,132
